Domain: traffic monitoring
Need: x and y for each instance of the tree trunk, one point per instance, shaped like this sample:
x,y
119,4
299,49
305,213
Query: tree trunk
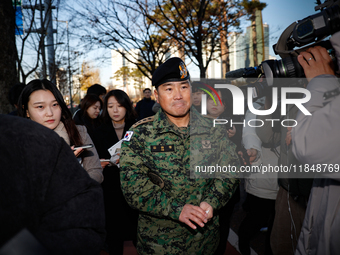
x,y
8,52
254,38
202,71
224,44
225,54
200,59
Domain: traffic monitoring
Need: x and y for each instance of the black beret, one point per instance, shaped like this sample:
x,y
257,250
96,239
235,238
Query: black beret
x,y
173,69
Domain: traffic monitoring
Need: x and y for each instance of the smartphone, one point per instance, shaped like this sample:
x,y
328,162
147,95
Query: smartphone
x,y
85,146
104,160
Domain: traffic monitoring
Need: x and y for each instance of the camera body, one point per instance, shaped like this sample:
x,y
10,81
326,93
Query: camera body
x,y
310,31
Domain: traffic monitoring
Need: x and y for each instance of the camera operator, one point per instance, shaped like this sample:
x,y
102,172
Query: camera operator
x,y
316,141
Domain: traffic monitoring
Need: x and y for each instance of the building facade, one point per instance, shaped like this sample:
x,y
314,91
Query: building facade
x,y
131,85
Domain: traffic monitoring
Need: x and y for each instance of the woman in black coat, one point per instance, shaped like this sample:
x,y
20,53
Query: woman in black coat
x,y
118,116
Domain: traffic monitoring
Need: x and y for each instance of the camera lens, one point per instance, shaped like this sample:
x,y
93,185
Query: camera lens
x,y
289,67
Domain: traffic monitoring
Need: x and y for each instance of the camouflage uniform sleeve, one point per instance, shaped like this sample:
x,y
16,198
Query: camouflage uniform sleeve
x,y
139,191
221,191
224,186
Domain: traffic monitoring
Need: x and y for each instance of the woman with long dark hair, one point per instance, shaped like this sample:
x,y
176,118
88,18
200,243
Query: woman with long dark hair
x,y
43,103
118,115
89,113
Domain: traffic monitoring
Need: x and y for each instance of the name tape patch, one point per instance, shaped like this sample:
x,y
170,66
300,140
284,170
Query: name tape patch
x,y
162,148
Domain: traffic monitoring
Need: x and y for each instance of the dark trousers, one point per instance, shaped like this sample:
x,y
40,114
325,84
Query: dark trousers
x,y
225,214
121,220
260,213
289,216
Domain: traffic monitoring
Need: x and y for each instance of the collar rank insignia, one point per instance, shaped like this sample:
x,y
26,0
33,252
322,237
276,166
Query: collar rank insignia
x,y
206,144
162,148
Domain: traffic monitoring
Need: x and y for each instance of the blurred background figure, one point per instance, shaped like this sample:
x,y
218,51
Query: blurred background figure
x,y
118,117
225,111
13,96
216,110
95,89
43,103
88,116
196,95
261,188
144,106
156,107
293,194
98,90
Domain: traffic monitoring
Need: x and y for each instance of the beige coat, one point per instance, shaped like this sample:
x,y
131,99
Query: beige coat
x,y
90,162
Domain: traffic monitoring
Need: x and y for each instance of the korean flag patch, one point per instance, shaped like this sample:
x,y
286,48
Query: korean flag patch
x,y
127,136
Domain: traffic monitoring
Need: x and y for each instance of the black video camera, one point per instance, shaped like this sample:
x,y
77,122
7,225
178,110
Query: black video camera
x,y
310,31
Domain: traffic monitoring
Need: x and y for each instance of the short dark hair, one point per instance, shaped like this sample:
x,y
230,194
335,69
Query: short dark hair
x,y
146,90
124,100
96,89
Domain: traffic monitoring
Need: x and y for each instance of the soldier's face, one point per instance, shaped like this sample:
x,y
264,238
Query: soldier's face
x,y
174,98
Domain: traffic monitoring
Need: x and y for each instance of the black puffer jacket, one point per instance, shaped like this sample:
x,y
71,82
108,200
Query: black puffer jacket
x,y
44,189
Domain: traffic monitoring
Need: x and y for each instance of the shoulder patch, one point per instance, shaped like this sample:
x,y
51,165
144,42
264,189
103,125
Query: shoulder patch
x,y
127,136
148,119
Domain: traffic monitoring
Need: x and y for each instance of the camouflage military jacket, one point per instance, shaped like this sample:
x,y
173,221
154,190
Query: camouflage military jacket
x,y
155,179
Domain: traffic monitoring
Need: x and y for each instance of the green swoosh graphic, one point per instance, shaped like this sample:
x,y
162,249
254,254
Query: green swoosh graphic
x,y
206,91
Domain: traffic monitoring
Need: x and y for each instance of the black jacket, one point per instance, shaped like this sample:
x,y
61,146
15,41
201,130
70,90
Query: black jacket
x,y
116,208
44,189
91,124
144,108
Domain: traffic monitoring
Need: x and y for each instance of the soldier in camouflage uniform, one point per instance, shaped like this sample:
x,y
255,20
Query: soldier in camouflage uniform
x,y
176,210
